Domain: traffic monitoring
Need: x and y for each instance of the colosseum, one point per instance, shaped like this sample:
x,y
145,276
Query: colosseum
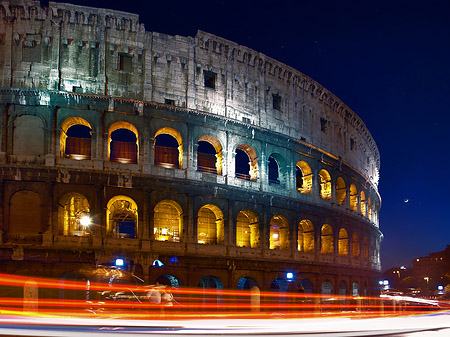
x,y
195,160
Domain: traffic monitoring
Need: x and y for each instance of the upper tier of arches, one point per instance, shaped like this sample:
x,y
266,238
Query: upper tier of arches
x,y
162,146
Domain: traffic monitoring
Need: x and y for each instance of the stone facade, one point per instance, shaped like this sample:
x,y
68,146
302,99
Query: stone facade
x,y
314,212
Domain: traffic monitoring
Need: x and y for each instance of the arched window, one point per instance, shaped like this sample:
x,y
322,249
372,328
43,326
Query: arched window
x,y
167,221
210,225
28,136
168,148
306,286
210,282
343,288
122,217
123,143
355,289
247,283
75,140
209,155
343,242
369,206
353,198
279,233
247,229
365,248
326,240
246,165
74,214
325,184
303,177
273,171
327,288
363,203
356,245
341,191
305,237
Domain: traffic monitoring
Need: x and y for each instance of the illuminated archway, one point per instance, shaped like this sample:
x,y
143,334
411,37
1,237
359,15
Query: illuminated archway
x,y
209,155
305,236
343,242
168,224
303,177
210,229
365,248
247,229
369,207
325,184
279,233
123,143
168,152
353,198
75,139
246,164
122,217
356,245
363,203
341,191
72,211
326,240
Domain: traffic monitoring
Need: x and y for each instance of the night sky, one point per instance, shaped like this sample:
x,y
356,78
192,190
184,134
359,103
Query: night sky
x,y
389,61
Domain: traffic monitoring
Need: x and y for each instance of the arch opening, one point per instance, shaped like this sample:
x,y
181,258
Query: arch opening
x,y
246,283
327,288
341,191
305,241
247,229
167,221
273,171
303,177
72,211
209,155
122,217
325,185
356,245
123,143
353,198
326,240
168,148
246,165
343,242
279,233
363,203
210,225
75,139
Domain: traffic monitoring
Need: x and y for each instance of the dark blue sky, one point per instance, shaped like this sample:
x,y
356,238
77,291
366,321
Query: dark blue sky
x,y
389,61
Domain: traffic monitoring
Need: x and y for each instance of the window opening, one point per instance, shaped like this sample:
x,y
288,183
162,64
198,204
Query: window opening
x,y
323,125
210,227
279,233
276,102
356,245
122,217
327,288
327,240
343,242
74,210
303,177
353,198
273,171
305,241
123,146
125,63
341,191
242,165
325,185
206,158
167,222
247,229
78,142
210,79
167,151
363,203
169,101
